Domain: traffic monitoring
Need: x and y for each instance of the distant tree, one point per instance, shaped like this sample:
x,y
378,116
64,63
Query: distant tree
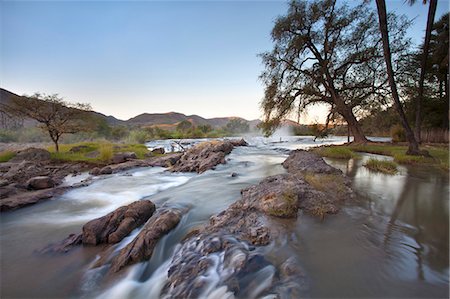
x,y
184,126
413,146
205,128
55,116
327,53
237,125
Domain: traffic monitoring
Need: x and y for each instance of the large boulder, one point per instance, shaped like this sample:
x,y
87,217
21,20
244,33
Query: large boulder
x,y
203,157
158,151
115,226
141,248
300,161
32,154
40,182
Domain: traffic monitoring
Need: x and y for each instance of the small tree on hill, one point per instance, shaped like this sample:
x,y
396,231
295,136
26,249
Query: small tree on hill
x,y
55,116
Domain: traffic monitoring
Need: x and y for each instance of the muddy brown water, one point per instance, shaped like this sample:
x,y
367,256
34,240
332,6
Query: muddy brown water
x,y
391,241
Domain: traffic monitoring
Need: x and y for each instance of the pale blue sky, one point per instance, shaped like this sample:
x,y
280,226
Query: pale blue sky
x,y
126,58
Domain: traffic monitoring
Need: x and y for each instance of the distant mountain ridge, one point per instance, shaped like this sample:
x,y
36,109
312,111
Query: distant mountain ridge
x,y
150,119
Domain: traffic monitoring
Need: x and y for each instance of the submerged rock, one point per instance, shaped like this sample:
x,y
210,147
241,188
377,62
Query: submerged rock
x,y
115,226
141,248
64,246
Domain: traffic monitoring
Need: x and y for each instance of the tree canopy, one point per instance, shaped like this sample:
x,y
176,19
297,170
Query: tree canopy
x,y
54,115
330,53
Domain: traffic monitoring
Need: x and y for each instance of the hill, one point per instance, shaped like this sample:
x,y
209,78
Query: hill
x,y
168,120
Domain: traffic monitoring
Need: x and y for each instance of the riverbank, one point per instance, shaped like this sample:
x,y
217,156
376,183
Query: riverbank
x,y
439,153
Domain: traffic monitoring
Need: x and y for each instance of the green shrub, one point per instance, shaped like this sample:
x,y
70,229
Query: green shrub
x,y
6,156
8,136
398,134
383,166
138,136
106,152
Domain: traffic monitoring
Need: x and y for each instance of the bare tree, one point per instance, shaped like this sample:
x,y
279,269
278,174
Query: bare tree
x,y
55,116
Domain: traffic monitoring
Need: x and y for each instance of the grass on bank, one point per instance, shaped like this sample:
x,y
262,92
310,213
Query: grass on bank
x,y
439,154
95,152
6,156
336,152
384,166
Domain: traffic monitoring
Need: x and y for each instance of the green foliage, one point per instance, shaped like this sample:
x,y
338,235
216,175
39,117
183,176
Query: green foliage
x,y
184,126
383,166
237,126
118,133
398,133
8,136
138,136
105,151
439,155
6,156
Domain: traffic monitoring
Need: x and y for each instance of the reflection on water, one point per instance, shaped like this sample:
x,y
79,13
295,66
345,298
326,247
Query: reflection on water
x,y
391,241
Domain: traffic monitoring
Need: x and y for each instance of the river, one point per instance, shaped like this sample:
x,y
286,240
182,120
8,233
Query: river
x,y
391,241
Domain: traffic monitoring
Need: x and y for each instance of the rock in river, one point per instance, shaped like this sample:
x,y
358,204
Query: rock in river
x,y
116,225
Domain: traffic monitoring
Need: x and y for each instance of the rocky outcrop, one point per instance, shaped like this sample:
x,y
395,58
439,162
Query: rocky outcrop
x,y
300,161
141,248
115,226
123,157
224,245
31,154
158,151
205,156
240,142
40,182
18,199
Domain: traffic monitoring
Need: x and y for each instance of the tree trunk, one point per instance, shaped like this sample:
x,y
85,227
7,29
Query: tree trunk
x,y
352,123
413,148
423,66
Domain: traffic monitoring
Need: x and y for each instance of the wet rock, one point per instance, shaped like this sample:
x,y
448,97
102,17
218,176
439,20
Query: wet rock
x,y
22,199
240,142
167,160
141,248
158,151
95,171
116,225
234,174
276,195
304,161
64,246
31,154
123,157
106,170
40,182
203,157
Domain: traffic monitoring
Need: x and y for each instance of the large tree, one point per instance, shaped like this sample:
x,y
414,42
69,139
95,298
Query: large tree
x,y
413,146
55,116
326,53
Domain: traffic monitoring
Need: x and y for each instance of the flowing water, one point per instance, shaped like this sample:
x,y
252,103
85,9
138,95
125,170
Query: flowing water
x,y
391,241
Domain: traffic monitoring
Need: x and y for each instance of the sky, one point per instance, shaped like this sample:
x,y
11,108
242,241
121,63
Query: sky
x,y
130,57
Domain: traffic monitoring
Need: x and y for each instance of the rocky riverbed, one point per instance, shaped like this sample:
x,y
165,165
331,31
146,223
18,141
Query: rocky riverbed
x,y
31,176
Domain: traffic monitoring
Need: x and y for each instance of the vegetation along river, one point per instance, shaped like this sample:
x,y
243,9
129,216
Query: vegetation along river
x,y
391,241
